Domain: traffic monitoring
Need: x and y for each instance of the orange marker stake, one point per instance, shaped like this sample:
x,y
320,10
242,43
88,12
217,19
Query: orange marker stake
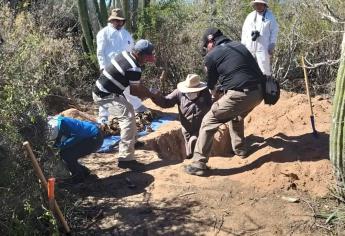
x,y
51,193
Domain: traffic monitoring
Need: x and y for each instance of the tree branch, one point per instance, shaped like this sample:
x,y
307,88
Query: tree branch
x,y
325,63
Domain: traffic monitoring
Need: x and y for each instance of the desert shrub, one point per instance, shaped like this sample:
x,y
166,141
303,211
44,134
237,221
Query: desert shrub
x,y
302,32
176,48
36,64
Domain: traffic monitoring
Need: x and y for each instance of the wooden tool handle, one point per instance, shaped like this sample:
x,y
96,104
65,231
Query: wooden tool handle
x,y
43,180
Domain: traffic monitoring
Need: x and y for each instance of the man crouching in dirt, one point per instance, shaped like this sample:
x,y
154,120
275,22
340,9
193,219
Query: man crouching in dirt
x,y
194,101
75,139
124,70
239,77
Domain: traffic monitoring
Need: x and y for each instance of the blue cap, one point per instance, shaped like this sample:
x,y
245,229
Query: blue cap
x,y
144,47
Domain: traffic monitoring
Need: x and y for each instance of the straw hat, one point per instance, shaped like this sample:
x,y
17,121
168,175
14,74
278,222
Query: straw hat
x,y
259,1
116,14
191,84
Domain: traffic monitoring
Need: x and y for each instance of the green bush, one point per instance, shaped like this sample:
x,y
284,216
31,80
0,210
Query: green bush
x,y
35,66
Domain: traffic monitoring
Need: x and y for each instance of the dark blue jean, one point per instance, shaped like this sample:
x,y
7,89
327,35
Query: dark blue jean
x,y
71,155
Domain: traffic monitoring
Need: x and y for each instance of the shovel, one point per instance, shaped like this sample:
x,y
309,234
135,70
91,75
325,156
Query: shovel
x,y
312,120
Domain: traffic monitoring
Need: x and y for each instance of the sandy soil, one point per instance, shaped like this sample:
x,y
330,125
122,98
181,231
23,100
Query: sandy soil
x,y
249,196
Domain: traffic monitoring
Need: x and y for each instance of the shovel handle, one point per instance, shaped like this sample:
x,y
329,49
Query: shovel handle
x,y
307,86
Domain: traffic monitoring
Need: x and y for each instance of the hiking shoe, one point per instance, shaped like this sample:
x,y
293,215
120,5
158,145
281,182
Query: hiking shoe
x,y
192,170
132,165
241,153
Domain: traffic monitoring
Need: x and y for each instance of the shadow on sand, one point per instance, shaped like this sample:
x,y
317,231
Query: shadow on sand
x,y
290,149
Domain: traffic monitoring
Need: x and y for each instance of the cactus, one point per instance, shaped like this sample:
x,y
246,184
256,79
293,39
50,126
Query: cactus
x,y
103,12
135,15
127,13
85,25
337,135
100,18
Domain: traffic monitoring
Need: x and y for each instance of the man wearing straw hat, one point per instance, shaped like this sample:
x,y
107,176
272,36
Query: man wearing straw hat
x,y
194,101
259,34
231,65
111,40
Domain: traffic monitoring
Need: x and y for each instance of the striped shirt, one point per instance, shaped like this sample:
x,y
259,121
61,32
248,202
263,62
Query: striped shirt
x,y
120,73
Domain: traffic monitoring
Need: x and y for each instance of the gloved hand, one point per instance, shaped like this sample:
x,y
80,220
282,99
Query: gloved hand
x,y
271,49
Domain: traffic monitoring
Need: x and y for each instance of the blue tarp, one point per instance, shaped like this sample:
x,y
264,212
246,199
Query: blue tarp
x,y
111,143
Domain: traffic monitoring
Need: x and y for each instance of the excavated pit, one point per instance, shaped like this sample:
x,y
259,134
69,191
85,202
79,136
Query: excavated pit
x,y
168,142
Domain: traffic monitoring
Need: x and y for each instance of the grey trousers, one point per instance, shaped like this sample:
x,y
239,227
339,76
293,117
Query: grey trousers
x,y
232,107
120,108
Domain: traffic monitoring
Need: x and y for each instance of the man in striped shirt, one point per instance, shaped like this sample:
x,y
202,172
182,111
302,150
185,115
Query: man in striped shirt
x,y
124,70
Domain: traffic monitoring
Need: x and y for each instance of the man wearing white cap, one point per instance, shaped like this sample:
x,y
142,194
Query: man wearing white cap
x,y
259,34
124,71
194,101
111,40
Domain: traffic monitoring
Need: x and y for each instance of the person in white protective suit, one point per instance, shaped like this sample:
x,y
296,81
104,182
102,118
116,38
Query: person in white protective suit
x,y
259,34
111,40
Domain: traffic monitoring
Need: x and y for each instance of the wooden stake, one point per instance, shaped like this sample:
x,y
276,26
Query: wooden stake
x,y
162,79
44,184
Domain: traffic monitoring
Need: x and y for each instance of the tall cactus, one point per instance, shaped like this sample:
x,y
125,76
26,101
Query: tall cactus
x,y
135,14
337,136
103,12
127,12
85,25
101,15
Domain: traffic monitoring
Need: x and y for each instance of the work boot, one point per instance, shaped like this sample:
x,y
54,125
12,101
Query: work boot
x,y
241,153
199,169
132,165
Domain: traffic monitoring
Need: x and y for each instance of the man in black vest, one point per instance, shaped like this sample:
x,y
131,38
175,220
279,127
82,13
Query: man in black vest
x,y
234,68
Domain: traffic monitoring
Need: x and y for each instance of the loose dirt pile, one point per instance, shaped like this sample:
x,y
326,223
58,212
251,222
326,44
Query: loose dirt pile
x,y
240,197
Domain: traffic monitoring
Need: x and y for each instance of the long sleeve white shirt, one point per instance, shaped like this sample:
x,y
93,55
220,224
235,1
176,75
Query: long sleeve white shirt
x,y
110,42
268,28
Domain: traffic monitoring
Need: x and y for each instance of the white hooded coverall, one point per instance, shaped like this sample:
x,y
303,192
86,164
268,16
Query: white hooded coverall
x,y
268,27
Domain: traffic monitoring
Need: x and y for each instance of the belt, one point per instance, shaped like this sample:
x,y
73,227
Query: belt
x,y
249,89
102,94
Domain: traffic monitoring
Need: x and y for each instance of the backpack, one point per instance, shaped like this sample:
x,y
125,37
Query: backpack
x,y
271,90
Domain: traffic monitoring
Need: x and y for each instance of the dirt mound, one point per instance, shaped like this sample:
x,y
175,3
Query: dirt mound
x,y
240,196
281,146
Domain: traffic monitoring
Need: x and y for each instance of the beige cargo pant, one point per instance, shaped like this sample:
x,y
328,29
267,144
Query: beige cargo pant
x,y
120,108
232,107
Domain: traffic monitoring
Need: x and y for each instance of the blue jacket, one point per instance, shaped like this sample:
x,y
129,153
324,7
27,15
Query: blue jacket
x,y
72,131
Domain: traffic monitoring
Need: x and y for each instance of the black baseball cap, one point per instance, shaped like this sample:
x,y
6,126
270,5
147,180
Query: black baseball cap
x,y
211,34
